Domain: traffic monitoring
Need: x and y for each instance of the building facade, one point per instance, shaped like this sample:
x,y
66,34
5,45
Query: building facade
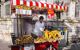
x,y
5,8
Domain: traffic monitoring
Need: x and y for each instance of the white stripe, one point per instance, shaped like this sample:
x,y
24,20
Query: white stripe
x,y
14,2
49,6
54,6
62,7
21,2
44,5
34,4
39,4
28,3
58,7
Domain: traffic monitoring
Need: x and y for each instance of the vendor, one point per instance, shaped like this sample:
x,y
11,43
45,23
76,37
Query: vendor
x,y
39,26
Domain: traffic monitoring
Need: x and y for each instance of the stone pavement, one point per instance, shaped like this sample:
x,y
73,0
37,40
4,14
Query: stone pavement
x,y
4,45
5,41
74,46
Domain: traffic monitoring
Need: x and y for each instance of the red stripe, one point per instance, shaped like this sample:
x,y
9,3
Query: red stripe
x,y
37,4
52,6
60,7
64,7
56,6
31,3
17,2
24,2
47,5
42,5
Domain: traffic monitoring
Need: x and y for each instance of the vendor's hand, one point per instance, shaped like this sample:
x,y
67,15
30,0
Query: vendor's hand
x,y
41,29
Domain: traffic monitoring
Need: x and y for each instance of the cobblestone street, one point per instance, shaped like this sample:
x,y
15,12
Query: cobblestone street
x,y
4,45
75,46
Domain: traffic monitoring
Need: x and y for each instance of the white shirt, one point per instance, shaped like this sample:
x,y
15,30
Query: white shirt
x,y
39,27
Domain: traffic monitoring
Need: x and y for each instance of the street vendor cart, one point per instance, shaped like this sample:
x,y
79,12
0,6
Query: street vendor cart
x,y
28,10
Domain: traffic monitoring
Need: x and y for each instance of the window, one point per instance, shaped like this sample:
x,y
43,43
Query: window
x,y
77,10
0,1
0,10
36,0
49,1
77,30
8,9
43,1
6,0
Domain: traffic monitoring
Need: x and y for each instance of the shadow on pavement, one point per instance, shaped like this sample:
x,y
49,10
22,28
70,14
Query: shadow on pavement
x,y
75,46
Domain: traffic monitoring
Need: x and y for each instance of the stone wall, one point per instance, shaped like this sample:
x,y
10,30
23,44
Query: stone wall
x,y
6,29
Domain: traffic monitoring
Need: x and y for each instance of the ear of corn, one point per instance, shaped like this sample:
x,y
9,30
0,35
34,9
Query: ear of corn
x,y
50,36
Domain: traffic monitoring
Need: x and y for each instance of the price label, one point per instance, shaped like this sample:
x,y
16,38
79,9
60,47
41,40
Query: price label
x,y
21,11
29,12
24,11
17,11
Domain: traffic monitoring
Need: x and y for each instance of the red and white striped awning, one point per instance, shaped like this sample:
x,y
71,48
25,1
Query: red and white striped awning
x,y
38,4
